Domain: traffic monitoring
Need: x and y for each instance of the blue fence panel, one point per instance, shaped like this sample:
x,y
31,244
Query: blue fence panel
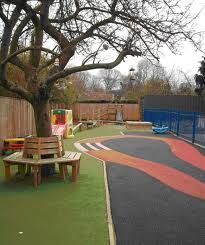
x,y
186,125
200,129
173,121
189,125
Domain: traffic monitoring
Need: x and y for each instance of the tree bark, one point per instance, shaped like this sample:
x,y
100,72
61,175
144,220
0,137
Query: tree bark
x,y
43,129
42,118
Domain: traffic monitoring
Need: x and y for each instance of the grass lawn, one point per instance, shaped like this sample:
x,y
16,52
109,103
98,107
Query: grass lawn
x,y
57,212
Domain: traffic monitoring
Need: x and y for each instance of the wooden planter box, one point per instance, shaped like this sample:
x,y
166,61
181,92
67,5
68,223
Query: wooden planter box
x,y
138,125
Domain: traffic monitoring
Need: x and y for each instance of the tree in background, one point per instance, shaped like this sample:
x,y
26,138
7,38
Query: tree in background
x,y
110,78
185,84
92,82
148,78
156,87
60,30
152,78
200,78
68,90
185,89
149,70
15,75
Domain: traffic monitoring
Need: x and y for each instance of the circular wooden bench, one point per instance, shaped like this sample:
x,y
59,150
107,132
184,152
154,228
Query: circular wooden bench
x,y
34,150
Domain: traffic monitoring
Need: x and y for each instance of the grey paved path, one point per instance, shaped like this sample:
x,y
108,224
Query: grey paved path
x,y
147,212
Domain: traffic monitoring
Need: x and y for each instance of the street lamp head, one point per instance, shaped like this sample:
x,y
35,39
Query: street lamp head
x,y
132,75
131,69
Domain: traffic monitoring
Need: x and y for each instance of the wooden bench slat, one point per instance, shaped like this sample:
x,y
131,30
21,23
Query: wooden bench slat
x,y
42,145
31,145
41,139
72,155
42,151
12,155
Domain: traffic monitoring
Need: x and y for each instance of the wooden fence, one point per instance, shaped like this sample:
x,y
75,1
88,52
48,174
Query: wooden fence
x,y
92,111
17,117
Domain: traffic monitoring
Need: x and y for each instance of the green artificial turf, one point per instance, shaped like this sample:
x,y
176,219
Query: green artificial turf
x,y
57,212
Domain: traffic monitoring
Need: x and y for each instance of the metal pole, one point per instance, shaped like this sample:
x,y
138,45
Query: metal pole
x,y
170,120
178,120
194,127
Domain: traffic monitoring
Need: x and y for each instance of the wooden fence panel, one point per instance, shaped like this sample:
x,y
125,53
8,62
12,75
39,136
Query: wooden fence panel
x,y
16,118
131,112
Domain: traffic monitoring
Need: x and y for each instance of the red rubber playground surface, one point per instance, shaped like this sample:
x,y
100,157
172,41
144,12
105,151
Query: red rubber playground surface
x,y
157,188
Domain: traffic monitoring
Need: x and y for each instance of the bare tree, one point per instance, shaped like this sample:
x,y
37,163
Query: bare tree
x,y
111,78
61,30
92,82
147,70
186,84
144,70
147,76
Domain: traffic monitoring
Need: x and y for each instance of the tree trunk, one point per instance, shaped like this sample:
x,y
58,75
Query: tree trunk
x,y
42,118
43,129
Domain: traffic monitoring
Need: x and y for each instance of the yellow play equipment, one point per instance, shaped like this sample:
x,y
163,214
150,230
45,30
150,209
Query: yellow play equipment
x,y
62,123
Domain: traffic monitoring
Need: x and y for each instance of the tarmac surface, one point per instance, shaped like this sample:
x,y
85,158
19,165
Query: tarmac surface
x,y
157,188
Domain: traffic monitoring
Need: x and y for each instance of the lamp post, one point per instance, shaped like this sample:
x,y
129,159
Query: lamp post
x,y
131,76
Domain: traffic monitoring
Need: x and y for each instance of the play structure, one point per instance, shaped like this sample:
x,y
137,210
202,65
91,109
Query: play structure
x,y
160,130
62,123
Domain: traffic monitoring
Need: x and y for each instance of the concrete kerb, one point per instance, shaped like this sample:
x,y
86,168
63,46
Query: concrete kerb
x,y
111,231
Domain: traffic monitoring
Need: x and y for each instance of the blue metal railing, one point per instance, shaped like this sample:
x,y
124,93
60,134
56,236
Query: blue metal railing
x,y
189,125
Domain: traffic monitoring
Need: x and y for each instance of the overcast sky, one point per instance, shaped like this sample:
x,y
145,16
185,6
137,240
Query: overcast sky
x,y
189,59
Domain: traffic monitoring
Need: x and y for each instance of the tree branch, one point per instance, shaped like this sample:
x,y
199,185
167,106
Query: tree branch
x,y
11,56
110,65
16,88
3,16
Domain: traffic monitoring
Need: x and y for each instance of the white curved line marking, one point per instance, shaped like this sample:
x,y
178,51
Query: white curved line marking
x,y
92,147
80,147
102,146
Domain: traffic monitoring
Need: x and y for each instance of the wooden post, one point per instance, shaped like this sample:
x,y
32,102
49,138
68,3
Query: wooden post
x,y
93,114
99,115
78,171
35,176
74,171
7,172
62,171
39,175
